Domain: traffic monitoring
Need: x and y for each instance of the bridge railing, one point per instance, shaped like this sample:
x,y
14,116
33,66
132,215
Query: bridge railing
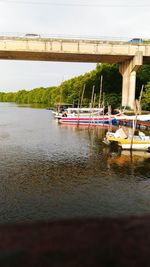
x,y
67,36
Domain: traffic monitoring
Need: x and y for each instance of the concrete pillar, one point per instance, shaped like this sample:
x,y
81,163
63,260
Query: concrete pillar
x,y
124,70
128,71
132,86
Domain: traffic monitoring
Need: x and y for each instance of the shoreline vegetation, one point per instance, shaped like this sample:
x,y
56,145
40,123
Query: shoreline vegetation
x,y
70,91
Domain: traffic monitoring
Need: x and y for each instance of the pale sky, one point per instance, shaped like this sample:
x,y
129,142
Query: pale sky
x,y
89,18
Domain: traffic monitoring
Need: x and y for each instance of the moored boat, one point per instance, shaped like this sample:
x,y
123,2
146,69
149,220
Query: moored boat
x,y
135,142
143,117
57,115
86,116
77,112
99,120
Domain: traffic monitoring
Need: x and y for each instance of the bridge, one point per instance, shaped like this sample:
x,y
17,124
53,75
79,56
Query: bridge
x,y
130,56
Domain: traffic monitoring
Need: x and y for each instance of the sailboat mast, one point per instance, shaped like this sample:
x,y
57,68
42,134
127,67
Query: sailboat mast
x,y
140,97
92,97
82,96
100,91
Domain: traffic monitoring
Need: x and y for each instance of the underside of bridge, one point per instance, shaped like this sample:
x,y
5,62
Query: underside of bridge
x,y
67,57
63,57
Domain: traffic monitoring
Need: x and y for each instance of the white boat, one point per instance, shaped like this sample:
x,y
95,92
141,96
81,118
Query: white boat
x,y
85,112
86,116
60,109
96,120
57,114
144,117
135,142
78,112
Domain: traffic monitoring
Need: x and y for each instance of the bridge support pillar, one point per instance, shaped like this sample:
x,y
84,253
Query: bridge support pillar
x,y
128,71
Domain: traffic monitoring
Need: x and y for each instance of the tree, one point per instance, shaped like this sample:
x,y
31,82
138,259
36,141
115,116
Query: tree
x,y
70,91
146,98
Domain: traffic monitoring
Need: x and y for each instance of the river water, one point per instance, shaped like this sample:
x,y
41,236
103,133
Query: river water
x,y
51,172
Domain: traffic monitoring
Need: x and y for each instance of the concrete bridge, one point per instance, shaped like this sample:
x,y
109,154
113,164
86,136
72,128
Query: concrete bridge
x,y
130,56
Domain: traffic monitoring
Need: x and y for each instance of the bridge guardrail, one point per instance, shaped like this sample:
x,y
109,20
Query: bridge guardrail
x,y
68,36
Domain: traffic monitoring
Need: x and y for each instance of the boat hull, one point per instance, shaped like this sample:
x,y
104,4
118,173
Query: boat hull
x,y
87,121
138,146
128,143
131,118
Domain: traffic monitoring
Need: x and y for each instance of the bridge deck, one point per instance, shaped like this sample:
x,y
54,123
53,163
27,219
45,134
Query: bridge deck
x,y
48,49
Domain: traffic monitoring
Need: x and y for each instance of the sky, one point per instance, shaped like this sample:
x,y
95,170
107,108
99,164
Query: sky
x,y
86,18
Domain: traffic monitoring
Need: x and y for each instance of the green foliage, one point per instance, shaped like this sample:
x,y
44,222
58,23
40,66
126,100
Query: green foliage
x,y
146,97
143,77
144,74
70,91
113,99
112,80
38,95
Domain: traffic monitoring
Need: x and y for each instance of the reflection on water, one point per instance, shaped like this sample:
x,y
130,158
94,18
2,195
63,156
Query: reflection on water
x,y
49,171
132,161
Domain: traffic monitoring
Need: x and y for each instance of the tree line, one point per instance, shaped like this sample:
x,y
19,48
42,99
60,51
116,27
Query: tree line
x,y
70,91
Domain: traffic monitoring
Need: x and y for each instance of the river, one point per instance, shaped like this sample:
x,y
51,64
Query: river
x,y
52,172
